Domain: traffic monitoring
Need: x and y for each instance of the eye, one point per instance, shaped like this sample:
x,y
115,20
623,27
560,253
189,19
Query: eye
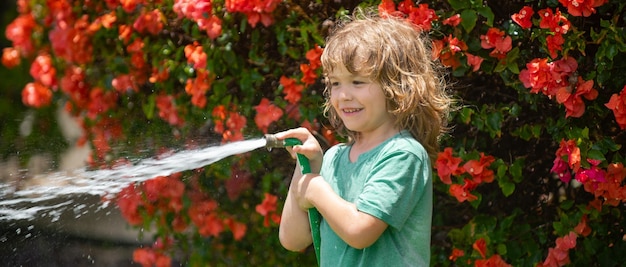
x,y
360,82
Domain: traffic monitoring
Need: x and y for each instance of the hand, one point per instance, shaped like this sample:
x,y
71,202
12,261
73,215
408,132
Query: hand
x,y
304,189
310,147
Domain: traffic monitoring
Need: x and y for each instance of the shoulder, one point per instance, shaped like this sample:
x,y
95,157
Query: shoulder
x,y
404,143
335,149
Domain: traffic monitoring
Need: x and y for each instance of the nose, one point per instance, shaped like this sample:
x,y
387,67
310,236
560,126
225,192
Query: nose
x,y
343,93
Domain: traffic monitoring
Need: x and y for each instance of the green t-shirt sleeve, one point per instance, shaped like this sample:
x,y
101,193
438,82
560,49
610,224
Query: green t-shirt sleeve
x,y
393,188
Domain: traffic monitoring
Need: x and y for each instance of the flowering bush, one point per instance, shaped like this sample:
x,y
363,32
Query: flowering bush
x,y
532,173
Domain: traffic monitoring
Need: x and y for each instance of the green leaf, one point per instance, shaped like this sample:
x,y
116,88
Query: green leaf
x,y
148,107
507,187
466,115
501,249
567,204
596,154
476,202
501,172
494,123
459,4
511,60
468,19
516,170
513,67
486,12
536,130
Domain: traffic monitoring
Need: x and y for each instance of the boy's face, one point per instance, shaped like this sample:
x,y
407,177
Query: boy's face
x,y
359,102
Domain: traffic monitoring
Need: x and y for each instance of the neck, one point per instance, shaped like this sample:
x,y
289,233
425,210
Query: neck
x,y
371,140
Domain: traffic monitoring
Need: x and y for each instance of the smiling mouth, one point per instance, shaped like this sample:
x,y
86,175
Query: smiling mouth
x,y
351,110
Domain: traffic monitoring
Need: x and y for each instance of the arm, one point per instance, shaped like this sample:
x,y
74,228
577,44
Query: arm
x,y
294,232
356,228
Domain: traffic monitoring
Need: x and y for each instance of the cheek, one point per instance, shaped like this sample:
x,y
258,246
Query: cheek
x,y
332,99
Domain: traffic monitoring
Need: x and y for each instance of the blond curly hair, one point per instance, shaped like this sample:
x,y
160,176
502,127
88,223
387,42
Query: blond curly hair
x,y
396,54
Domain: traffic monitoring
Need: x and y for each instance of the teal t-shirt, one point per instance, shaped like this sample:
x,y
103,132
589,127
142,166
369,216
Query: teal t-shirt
x,y
392,182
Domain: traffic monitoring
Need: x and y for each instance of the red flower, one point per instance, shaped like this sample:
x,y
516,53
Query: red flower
x,y
212,26
387,8
446,50
493,261
167,110
166,192
43,72
198,86
463,192
479,169
314,56
574,105
107,20
73,84
559,255
129,200
554,21
125,32
480,246
561,168
453,21
150,257
523,18
612,190
267,208
228,123
447,165
266,113
592,177
193,10
547,77
474,61
237,228
422,16
100,101
124,82
256,11
292,90
308,74
583,228
582,7
36,95
159,74
73,41
19,31
204,216
10,57
456,253
150,22
570,150
554,44
235,123
497,39
195,55
617,103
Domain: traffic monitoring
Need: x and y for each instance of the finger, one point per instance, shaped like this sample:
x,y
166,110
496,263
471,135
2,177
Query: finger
x,y
300,133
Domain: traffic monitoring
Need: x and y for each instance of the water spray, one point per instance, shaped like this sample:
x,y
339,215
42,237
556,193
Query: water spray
x,y
314,216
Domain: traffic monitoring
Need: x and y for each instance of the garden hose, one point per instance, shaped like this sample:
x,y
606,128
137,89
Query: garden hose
x,y
314,216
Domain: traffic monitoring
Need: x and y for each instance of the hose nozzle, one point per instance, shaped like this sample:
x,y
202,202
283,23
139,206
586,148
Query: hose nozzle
x,y
272,142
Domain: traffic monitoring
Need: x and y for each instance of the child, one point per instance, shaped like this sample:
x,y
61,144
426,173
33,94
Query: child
x,y
374,193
